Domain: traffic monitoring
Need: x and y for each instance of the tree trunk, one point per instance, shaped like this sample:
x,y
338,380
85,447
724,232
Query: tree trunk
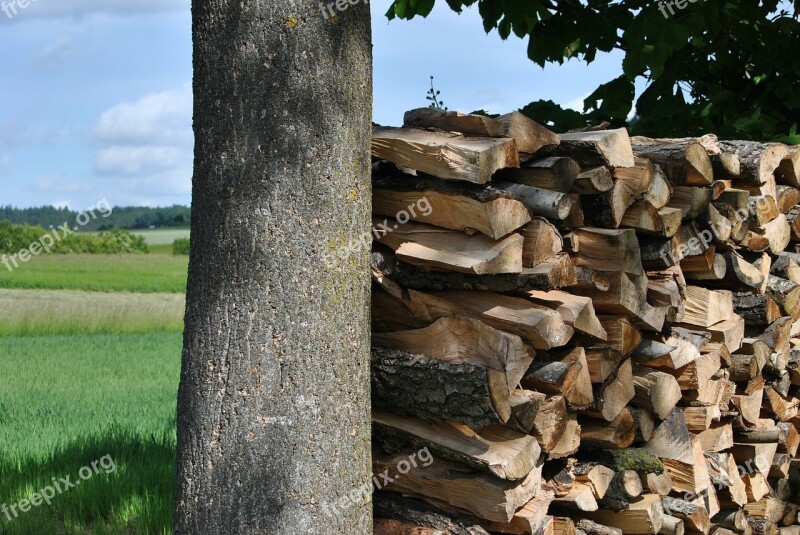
x,y
273,404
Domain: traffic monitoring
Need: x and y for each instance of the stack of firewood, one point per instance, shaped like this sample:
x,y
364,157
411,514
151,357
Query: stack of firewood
x,y
585,333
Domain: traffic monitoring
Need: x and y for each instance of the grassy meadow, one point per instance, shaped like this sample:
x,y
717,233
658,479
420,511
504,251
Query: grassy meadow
x,y
91,348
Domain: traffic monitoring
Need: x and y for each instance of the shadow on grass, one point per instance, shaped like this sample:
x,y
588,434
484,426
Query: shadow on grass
x,y
136,497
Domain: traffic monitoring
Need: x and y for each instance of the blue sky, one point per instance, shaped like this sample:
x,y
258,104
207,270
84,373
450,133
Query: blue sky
x,y
96,94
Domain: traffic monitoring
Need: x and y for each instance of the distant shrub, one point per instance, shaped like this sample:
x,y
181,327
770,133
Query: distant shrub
x,y
180,246
14,238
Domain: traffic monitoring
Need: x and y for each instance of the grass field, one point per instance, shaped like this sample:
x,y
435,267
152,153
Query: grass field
x,y
61,312
162,236
145,273
66,401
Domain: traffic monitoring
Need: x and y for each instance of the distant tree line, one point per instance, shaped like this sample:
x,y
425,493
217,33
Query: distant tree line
x,y
123,217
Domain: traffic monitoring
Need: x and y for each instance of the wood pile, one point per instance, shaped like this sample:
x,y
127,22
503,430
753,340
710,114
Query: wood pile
x,y
585,334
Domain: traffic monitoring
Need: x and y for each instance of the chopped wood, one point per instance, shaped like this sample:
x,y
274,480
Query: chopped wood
x,y
541,242
445,155
758,161
540,202
530,136
500,451
593,180
451,205
430,247
603,147
551,173
656,391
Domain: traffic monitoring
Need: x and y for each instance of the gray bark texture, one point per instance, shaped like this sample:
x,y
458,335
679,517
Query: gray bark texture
x,y
274,402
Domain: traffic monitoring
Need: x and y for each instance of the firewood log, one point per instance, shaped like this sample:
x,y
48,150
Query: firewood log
x,y
654,390
644,516
685,163
604,147
499,451
593,180
602,434
554,173
540,202
530,136
445,155
431,247
464,340
452,205
483,495
758,160
568,377
395,514
597,476
539,326
541,242
412,385
607,209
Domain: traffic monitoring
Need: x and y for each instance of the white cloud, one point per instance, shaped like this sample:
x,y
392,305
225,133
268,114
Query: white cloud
x,y
163,118
82,8
55,52
138,161
145,147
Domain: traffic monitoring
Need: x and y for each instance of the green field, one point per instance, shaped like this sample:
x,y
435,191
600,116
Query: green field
x,y
90,349
59,312
67,401
144,273
162,236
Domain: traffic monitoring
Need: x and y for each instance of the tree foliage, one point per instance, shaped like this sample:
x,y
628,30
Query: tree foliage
x,y
723,66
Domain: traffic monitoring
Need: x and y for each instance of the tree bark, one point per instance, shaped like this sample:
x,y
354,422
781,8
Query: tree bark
x,y
274,389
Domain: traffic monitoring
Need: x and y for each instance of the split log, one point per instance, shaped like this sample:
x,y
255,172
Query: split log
x,y
568,377
525,405
499,451
695,517
690,200
451,205
673,526
660,190
707,307
542,327
482,495
552,173
551,423
597,476
576,311
756,309
540,202
788,171
444,155
464,341
607,209
616,434
541,242
758,161
613,395
530,136
788,198
593,528
625,486
433,390
604,147
592,181
551,274
644,516
394,514
434,248
639,177
656,391
684,163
